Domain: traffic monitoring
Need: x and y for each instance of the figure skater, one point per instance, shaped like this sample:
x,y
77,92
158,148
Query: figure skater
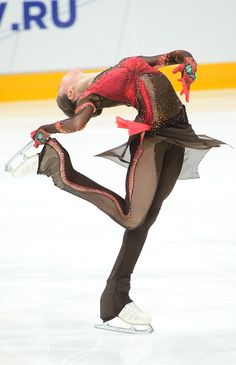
x,y
161,148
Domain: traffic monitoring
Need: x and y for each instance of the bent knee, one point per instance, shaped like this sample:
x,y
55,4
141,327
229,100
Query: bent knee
x,y
144,221
134,222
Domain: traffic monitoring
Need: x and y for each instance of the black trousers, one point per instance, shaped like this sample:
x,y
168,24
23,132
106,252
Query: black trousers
x,y
152,181
116,293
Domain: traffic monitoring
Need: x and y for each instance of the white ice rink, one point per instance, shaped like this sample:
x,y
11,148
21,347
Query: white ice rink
x,y
57,250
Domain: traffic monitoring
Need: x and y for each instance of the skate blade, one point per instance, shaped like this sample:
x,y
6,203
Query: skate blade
x,y
18,159
133,329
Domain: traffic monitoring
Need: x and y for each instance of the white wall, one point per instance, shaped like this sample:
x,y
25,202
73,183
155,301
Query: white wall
x,y
103,31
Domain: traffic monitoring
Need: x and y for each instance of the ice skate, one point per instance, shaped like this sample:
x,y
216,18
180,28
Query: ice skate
x,y
130,320
21,164
28,166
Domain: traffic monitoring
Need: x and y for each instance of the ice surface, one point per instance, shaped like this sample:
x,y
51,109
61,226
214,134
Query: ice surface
x,y
56,252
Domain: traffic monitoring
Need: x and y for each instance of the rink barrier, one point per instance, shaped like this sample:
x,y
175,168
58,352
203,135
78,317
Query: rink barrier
x,y
44,85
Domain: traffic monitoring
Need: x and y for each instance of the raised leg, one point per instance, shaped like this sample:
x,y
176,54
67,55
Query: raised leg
x,y
128,212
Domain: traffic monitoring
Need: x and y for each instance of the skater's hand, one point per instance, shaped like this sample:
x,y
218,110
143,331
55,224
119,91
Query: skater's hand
x,y
188,71
40,136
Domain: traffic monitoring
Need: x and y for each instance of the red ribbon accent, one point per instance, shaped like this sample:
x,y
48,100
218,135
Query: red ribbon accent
x,y
133,127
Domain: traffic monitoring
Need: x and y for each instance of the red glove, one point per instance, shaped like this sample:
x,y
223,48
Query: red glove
x,y
39,136
188,75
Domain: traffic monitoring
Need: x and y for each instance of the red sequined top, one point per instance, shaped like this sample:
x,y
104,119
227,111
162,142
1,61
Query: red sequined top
x,y
119,83
136,82
133,82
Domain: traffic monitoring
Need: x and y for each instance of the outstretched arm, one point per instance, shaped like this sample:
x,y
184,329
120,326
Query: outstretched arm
x,y
168,59
187,67
70,125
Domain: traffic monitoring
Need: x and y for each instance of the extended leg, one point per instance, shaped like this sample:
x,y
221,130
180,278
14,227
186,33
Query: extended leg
x,y
129,212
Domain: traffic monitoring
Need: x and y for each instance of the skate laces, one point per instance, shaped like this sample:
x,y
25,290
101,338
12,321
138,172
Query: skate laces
x,y
134,308
132,314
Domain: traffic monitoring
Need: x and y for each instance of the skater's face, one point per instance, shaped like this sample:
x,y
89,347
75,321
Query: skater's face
x,y
71,84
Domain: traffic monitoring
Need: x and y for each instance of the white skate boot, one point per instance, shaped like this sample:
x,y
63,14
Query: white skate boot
x,y
130,320
29,166
21,164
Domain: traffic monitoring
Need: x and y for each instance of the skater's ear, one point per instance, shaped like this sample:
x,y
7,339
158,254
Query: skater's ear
x,y
71,93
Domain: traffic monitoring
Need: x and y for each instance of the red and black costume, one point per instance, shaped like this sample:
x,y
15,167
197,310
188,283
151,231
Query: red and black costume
x,y
162,148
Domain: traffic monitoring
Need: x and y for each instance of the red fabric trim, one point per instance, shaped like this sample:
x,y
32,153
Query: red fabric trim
x,y
60,127
83,106
53,143
133,127
81,188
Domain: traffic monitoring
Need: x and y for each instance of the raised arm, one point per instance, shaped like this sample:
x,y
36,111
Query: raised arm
x,y
70,125
186,65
